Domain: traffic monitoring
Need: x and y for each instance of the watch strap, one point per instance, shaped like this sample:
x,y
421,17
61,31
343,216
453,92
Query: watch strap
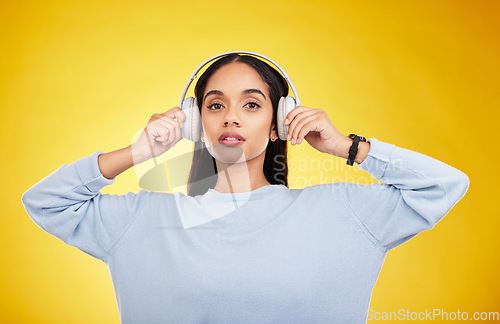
x,y
353,150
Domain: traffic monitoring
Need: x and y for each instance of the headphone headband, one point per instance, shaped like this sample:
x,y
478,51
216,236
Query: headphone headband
x,y
193,76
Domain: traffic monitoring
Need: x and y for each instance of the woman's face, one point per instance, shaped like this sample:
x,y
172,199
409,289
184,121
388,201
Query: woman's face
x,y
236,100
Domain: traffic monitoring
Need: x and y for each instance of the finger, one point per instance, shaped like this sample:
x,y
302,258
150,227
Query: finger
x,y
170,120
176,113
159,132
297,119
152,131
174,128
149,136
160,129
294,112
181,117
178,135
170,125
301,129
155,134
306,129
175,131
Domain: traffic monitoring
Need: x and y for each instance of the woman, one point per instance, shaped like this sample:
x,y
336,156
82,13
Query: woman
x,y
243,247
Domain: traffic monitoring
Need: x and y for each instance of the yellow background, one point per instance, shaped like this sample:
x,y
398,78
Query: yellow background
x,y
81,76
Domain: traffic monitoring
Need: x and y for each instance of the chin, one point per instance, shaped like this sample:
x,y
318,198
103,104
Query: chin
x,y
232,154
226,154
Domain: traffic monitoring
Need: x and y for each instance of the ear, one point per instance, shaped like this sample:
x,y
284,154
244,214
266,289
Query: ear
x,y
274,131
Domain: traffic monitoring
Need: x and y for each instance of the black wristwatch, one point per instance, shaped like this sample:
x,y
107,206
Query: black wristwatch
x,y
354,147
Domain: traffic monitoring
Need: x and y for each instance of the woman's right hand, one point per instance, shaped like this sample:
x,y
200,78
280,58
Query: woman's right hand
x,y
160,134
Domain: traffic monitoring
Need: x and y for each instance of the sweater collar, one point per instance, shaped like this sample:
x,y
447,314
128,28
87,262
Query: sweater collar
x,y
259,193
195,211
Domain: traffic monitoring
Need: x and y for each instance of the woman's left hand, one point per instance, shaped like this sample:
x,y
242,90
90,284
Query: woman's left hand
x,y
315,127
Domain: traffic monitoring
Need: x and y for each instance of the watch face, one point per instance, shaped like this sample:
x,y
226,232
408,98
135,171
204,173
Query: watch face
x,y
361,138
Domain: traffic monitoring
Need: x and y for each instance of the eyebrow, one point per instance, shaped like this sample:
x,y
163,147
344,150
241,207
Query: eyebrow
x,y
244,92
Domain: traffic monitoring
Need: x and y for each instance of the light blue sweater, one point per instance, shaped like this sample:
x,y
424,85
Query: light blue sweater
x,y
274,255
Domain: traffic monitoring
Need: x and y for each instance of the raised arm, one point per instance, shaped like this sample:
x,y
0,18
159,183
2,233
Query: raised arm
x,y
67,204
416,192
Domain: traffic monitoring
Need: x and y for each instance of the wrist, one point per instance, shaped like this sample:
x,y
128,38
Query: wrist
x,y
363,149
343,146
113,163
138,156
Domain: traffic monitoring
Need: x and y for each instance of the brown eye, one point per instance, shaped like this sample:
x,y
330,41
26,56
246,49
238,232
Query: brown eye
x,y
254,105
214,104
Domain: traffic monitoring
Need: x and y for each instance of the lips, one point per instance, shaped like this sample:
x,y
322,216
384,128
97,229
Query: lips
x,y
231,136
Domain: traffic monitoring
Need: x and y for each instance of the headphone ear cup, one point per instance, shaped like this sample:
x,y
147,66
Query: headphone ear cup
x,y
285,105
192,126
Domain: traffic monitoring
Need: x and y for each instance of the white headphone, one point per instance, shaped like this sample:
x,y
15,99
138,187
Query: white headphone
x,y
192,126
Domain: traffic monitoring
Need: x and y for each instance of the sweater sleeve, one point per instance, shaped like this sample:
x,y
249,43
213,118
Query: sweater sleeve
x,y
67,204
416,192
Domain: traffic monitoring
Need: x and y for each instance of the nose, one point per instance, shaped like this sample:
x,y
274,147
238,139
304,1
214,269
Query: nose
x,y
231,117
